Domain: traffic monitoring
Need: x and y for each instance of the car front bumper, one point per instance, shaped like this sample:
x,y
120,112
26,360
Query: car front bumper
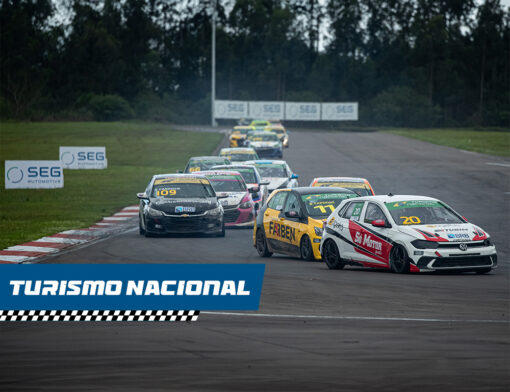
x,y
239,217
192,224
474,258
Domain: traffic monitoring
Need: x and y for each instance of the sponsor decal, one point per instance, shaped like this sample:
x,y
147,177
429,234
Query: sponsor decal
x,y
368,243
33,174
181,209
83,157
282,231
463,247
463,236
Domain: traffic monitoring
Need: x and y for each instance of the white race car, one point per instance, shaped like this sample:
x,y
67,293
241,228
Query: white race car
x,y
276,173
404,234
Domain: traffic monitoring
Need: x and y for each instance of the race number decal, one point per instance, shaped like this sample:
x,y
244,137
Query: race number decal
x,y
166,192
323,208
410,220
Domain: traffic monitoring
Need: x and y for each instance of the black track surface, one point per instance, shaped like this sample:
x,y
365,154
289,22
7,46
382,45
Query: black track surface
x,y
374,330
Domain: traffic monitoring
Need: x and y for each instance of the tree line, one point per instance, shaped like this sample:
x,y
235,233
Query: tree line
x,y
407,62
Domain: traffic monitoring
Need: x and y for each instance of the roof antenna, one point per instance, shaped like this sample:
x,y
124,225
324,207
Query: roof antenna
x,y
390,194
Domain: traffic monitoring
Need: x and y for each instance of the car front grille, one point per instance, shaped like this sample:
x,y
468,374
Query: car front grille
x,y
231,215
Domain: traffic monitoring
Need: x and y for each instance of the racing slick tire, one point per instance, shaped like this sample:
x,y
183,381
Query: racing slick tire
x,y
140,228
261,244
305,249
483,271
399,261
331,255
222,232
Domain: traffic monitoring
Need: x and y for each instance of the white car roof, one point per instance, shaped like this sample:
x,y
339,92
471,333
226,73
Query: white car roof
x,y
266,161
394,198
233,149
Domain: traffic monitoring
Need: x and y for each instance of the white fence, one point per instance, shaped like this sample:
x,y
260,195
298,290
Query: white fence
x,y
295,111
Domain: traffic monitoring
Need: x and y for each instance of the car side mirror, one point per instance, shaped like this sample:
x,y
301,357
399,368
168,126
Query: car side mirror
x,y
256,206
291,214
255,189
180,171
142,196
380,223
294,175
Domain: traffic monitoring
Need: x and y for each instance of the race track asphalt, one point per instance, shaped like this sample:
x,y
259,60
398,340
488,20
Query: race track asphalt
x,y
316,329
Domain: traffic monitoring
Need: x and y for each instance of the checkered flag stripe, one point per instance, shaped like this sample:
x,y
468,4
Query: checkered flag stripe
x,y
99,315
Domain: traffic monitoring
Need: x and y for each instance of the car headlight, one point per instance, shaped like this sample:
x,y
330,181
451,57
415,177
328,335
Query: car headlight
x,y
424,244
245,205
153,212
215,211
318,231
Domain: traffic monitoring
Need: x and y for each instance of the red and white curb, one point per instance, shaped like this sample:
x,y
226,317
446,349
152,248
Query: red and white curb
x,y
29,251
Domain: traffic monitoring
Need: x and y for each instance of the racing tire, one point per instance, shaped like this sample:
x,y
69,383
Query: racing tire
x,y
483,271
261,244
222,232
331,255
399,261
141,230
305,249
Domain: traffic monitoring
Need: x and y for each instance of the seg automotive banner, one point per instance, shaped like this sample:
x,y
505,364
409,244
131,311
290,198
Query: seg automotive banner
x,y
83,157
33,174
133,287
266,110
230,109
303,111
338,111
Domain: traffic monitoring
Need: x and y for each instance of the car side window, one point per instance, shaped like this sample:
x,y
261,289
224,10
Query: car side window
x,y
374,212
292,204
353,212
276,202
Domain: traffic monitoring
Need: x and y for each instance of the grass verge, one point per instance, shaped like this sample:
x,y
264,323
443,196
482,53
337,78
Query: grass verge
x,y
135,152
494,142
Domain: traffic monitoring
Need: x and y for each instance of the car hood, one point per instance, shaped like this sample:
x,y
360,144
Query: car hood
x,y
275,182
169,205
460,232
233,198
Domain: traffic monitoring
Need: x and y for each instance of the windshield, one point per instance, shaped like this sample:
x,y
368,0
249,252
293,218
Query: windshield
x,y
272,170
422,212
321,205
268,137
176,190
227,183
242,157
248,174
358,187
201,165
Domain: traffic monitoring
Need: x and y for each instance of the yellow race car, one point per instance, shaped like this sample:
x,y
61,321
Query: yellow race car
x,y
291,221
239,154
260,124
238,135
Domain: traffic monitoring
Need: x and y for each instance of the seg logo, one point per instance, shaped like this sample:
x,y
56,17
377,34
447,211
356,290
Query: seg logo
x,y
33,174
83,157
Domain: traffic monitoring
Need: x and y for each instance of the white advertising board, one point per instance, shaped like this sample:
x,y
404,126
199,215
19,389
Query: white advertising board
x,y
230,109
83,157
303,111
340,111
33,174
269,110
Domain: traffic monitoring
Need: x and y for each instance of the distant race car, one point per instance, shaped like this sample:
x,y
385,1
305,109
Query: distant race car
x,y
260,124
292,219
405,234
239,207
204,163
280,132
239,154
253,181
180,203
238,135
359,185
277,173
266,144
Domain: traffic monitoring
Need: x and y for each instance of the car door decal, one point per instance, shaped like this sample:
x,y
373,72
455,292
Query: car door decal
x,y
369,243
378,260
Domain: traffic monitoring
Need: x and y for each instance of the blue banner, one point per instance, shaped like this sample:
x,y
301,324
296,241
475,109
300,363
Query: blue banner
x,y
131,286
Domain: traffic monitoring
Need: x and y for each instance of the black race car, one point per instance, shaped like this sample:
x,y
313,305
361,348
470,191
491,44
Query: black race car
x,y
179,204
